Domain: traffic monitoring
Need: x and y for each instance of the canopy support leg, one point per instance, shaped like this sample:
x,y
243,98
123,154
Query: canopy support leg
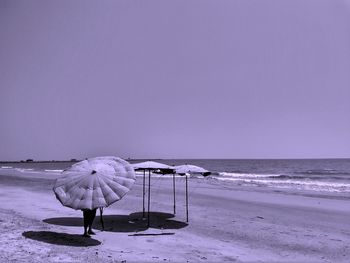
x,y
174,193
143,194
149,197
186,199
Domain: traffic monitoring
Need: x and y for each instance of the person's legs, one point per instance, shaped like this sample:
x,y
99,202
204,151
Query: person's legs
x,y
86,222
92,217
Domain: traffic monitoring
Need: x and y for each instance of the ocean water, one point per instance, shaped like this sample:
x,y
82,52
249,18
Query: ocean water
x,y
331,175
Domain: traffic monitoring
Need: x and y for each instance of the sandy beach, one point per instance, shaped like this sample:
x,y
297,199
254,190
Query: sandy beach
x,y
228,223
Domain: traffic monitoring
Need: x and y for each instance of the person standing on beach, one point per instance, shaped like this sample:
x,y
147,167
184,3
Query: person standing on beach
x,y
89,216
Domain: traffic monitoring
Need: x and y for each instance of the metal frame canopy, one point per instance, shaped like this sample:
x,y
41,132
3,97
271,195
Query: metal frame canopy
x,y
185,170
152,166
180,169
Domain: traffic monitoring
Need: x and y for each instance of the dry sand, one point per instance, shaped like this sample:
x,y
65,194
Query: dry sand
x,y
228,223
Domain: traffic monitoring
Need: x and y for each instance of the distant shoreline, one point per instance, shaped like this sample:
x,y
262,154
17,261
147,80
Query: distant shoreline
x,y
159,159
53,161
70,161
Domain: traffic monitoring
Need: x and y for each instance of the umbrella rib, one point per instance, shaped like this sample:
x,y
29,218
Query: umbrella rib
x,y
67,178
115,178
74,182
124,181
86,197
103,189
119,186
96,187
79,195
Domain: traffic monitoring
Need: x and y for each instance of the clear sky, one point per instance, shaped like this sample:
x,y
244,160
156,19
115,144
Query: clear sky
x,y
175,79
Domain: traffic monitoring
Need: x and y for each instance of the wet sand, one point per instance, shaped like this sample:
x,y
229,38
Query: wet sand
x,y
228,223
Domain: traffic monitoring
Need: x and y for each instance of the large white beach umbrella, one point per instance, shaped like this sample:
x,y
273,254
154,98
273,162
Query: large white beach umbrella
x,y
94,183
151,166
189,169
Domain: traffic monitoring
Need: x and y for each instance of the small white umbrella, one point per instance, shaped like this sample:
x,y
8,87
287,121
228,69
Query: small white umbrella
x,y
151,166
94,183
189,169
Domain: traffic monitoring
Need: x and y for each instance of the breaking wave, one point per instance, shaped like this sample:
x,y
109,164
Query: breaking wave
x,y
334,183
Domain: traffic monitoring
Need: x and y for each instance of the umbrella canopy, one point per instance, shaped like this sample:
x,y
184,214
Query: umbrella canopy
x,y
94,183
150,165
190,169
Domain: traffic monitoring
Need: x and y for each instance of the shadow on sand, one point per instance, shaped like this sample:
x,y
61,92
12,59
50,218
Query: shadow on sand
x,y
61,238
123,223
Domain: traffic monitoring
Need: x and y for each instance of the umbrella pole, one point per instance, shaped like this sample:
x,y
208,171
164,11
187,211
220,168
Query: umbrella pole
x,y
186,199
101,219
174,193
143,194
149,196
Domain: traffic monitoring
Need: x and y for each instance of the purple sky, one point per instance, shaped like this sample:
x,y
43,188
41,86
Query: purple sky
x,y
175,79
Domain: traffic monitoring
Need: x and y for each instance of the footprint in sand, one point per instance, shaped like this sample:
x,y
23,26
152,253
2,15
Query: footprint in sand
x,y
307,235
333,239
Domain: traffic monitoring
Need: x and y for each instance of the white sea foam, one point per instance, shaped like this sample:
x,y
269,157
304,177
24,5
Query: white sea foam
x,y
247,175
26,170
292,184
54,170
6,167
